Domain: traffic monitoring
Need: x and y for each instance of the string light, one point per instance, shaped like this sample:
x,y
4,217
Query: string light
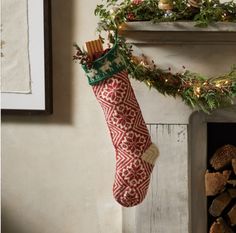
x,y
224,16
112,11
148,83
142,63
197,91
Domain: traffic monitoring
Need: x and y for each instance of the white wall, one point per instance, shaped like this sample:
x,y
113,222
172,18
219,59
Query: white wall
x,y
58,170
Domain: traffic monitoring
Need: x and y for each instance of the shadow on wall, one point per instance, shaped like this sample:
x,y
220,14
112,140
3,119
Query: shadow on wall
x,y
14,221
62,21
12,225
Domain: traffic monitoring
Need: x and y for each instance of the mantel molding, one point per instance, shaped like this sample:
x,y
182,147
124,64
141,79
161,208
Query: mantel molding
x,y
178,33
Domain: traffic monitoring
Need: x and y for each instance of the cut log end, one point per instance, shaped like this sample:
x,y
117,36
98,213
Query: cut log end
x,y
220,226
223,156
215,182
232,215
219,204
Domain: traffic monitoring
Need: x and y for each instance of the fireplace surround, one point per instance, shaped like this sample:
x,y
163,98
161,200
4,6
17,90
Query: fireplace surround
x,y
171,204
206,134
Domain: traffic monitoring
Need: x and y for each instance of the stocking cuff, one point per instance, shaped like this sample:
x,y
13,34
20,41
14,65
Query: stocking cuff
x,y
105,66
151,154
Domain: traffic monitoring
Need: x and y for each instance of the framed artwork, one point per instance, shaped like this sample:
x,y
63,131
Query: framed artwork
x,y
26,57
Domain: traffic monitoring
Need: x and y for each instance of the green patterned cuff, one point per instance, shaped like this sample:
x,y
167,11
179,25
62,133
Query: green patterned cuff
x,y
105,66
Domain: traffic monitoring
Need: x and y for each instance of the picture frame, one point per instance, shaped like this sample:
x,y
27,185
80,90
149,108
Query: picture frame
x,y
40,99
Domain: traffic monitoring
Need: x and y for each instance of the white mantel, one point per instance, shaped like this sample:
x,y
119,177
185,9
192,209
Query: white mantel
x,y
146,32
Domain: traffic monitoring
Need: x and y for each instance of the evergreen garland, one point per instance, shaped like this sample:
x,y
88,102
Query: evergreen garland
x,y
112,13
197,91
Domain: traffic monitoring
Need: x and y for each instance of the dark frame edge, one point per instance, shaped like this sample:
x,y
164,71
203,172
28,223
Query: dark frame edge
x,y
48,69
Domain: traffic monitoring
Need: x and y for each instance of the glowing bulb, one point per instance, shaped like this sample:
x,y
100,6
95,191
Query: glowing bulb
x,y
224,15
148,83
166,80
198,89
218,85
112,11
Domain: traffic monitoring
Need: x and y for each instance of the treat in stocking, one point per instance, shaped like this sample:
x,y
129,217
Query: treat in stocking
x,y
135,153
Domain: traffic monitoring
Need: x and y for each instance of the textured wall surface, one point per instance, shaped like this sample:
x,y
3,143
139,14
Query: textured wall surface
x,y
57,171
165,208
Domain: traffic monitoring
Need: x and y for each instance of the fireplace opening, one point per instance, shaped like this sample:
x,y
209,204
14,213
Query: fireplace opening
x,y
223,202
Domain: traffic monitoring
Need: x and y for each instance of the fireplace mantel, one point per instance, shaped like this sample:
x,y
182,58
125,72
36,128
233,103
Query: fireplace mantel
x,y
178,33
171,45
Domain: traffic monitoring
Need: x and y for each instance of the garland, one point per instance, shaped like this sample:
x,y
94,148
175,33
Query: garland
x,y
202,12
196,90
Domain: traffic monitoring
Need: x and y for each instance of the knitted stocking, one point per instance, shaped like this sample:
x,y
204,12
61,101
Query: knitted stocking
x,y
135,153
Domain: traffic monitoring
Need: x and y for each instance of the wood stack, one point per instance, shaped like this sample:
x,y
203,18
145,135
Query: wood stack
x,y
220,186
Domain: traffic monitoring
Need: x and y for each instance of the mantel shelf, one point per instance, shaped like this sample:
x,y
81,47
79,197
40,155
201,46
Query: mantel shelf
x,y
178,33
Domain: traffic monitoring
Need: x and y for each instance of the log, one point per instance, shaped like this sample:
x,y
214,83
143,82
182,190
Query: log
x,y
232,182
232,192
215,182
234,165
219,204
232,215
223,156
220,226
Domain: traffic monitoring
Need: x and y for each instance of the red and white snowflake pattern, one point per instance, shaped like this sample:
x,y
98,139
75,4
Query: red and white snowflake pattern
x,y
130,138
113,91
123,117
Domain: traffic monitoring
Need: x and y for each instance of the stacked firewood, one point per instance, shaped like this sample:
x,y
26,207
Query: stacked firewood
x,y
220,185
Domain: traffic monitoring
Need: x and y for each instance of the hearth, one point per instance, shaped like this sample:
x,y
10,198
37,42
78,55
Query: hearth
x,y
208,133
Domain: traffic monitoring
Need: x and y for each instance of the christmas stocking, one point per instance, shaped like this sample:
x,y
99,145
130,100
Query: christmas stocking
x,y
135,153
